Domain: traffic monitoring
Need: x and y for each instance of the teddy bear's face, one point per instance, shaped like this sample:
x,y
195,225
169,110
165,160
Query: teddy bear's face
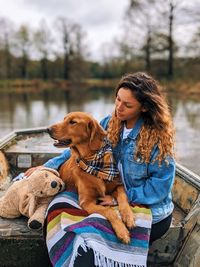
x,y
44,183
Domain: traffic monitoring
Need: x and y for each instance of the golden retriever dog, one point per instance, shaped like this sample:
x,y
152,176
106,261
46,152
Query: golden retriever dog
x,y
4,172
84,135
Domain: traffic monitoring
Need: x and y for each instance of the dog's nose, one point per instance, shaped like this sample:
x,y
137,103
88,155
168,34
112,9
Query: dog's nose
x,y
49,130
54,184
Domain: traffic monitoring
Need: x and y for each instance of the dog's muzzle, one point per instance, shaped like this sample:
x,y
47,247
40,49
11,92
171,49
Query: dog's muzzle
x,y
58,143
62,143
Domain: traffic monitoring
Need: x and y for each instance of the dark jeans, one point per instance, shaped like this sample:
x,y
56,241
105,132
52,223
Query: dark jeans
x,y
84,258
157,230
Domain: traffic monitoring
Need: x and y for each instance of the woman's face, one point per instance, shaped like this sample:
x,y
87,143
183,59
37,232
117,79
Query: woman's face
x,y
127,107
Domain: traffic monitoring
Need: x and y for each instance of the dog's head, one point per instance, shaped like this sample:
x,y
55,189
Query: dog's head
x,y
76,128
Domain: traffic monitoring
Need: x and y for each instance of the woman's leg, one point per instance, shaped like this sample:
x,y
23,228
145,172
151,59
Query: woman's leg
x,y
160,228
84,258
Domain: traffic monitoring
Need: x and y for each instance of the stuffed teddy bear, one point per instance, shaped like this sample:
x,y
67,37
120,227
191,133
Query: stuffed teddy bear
x,y
30,196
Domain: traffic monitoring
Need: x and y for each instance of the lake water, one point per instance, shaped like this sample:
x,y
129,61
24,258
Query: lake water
x,y
33,109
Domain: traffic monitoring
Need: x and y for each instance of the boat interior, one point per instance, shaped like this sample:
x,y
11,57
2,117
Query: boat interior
x,y
28,148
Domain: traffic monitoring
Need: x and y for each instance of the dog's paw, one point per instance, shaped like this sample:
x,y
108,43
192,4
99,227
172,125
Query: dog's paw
x,y
123,234
128,217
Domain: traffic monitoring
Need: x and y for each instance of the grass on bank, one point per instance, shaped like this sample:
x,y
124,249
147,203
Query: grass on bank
x,y
19,85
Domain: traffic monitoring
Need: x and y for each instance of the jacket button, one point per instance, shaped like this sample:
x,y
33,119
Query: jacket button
x,y
126,142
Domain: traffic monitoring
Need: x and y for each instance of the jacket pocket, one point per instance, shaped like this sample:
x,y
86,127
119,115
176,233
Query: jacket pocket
x,y
137,168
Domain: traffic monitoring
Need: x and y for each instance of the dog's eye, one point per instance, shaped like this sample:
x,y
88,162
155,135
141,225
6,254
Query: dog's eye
x,y
72,122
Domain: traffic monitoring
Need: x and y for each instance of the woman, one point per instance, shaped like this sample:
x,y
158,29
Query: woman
x,y
141,132
142,135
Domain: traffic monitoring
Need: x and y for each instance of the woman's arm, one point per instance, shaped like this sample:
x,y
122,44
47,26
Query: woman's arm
x,y
157,186
56,162
53,163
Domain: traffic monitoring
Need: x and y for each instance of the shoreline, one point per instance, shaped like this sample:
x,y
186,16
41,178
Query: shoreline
x,y
38,85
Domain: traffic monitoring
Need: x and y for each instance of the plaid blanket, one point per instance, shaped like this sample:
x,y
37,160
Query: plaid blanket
x,y
101,164
68,227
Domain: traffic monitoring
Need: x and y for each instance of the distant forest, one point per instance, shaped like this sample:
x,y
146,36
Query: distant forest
x,y
160,37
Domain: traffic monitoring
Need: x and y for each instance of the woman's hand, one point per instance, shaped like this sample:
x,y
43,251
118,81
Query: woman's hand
x,y
31,170
107,200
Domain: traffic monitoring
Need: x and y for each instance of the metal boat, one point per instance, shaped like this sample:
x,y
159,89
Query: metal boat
x,y
20,246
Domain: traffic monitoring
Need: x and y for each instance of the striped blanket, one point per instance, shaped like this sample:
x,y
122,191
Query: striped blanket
x,y
68,227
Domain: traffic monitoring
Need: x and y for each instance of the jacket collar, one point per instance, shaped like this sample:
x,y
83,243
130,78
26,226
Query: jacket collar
x,y
136,129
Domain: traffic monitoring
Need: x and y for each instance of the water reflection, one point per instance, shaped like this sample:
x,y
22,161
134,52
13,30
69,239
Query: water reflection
x,y
33,109
25,110
187,122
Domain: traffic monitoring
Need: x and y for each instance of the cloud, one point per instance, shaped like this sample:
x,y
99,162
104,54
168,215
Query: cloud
x,y
101,20
88,13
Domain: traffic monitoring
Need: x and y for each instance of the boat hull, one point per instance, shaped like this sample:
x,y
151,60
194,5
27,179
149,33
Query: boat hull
x,y
20,246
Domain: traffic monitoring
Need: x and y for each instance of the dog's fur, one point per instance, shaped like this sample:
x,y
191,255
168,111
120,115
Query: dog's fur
x,y
4,172
83,134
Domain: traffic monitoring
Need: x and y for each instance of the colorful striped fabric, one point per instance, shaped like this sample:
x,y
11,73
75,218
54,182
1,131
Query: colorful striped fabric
x,y
68,227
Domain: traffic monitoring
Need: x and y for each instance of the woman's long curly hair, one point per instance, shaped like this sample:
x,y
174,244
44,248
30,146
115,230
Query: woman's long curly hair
x,y
157,128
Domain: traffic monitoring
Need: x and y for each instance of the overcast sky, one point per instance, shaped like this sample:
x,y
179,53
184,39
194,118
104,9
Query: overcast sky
x,y
101,19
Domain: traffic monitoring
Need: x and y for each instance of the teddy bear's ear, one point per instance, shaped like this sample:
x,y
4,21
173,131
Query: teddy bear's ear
x,y
51,170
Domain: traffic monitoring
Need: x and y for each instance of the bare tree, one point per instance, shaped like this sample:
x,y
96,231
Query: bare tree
x,y
157,19
6,33
195,44
171,47
65,28
167,14
79,48
23,44
73,47
176,15
43,42
141,24
193,23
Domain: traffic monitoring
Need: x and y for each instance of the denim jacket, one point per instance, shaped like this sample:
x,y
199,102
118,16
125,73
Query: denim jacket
x,y
148,184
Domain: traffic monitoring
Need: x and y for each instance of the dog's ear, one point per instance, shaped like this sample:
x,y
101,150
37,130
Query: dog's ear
x,y
96,131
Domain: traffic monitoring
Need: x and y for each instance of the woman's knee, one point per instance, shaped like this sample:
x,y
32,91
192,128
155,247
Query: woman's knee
x,y
159,229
